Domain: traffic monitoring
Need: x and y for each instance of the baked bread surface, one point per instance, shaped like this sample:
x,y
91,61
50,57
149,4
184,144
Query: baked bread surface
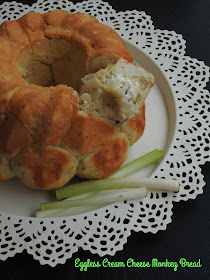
x,y
45,136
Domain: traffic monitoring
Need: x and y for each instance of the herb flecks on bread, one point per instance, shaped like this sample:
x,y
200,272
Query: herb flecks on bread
x,y
116,92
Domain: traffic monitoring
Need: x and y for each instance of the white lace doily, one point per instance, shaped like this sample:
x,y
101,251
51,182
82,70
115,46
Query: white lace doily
x,y
52,241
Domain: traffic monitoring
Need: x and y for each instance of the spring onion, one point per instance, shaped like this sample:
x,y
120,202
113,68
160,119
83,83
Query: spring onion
x,y
101,197
119,183
137,164
64,212
93,194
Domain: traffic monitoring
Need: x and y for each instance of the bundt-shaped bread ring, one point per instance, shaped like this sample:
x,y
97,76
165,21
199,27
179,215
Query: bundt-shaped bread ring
x,y
47,132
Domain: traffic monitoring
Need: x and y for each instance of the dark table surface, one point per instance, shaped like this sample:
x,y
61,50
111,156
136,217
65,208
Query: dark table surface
x,y
188,236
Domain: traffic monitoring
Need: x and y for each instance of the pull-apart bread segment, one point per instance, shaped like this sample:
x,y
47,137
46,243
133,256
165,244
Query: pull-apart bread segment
x,y
71,99
116,92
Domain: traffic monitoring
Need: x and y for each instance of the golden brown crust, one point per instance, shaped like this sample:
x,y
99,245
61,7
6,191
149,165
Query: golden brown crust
x,y
9,79
61,24
5,49
86,134
14,32
99,40
4,100
36,119
13,137
134,128
46,113
106,159
33,26
44,167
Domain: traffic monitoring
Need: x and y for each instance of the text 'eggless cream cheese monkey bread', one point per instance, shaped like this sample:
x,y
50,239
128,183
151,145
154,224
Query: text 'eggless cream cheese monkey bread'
x,y
71,99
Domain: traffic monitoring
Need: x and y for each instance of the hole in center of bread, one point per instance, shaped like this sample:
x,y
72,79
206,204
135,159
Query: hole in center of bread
x,y
50,62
